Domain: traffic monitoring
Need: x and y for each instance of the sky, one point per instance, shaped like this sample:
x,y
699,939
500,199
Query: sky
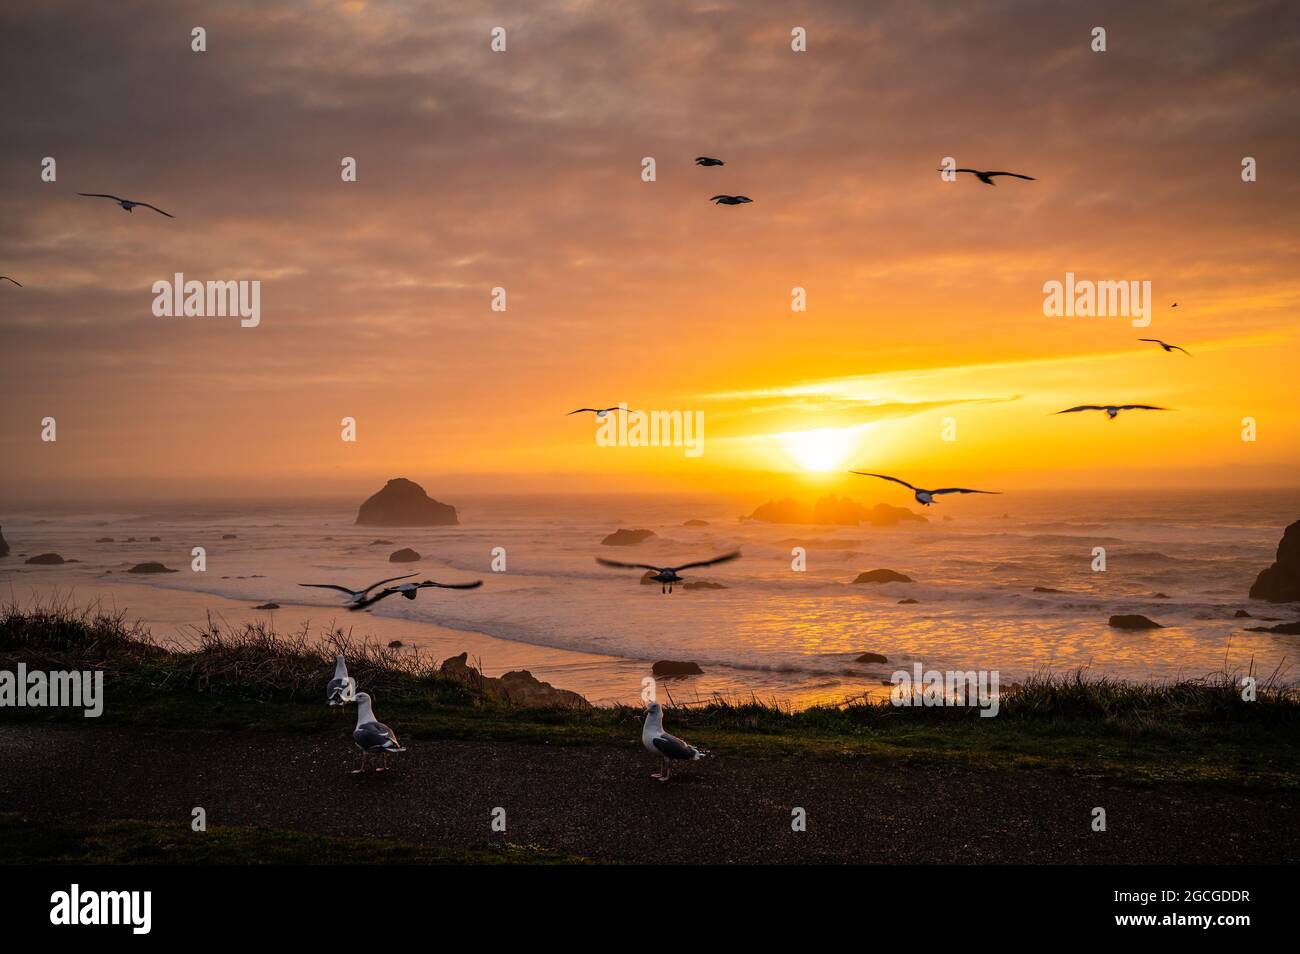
x,y
923,350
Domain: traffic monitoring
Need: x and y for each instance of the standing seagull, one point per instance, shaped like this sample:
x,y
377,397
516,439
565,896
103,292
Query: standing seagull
x,y
6,278
666,576
598,411
925,497
987,177
409,590
126,204
371,735
730,199
355,596
1112,410
658,742
342,689
1167,346
708,161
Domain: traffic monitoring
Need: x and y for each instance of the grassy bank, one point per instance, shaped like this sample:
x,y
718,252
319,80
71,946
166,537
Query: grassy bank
x,y
251,678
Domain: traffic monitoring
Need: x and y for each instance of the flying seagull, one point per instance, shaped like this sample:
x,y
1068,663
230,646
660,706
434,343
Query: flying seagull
x,y
925,497
342,689
372,735
987,177
126,204
6,278
666,576
1174,305
355,596
1167,346
598,411
730,199
708,161
1112,410
409,590
669,747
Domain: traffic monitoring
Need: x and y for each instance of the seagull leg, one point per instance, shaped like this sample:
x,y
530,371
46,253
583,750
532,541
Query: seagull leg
x,y
668,771
384,767
358,771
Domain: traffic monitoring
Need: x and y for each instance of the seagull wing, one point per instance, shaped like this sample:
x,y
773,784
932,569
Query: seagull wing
x,y
391,579
156,209
972,171
672,747
332,586
581,409
371,601
1182,349
627,566
8,279
717,197
1141,407
375,736
1082,407
1153,340
963,490
1014,174
101,195
454,586
725,558
863,473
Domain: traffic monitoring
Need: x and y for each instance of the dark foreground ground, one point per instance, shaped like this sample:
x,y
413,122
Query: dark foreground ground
x,y
598,803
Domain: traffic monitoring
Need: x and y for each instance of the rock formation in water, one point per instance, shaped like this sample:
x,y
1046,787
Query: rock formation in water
x,y
1280,583
835,511
627,538
883,576
1133,621
403,503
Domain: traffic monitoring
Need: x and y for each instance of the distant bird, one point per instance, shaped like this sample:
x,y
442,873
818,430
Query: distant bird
x,y
987,177
599,412
355,596
925,497
126,204
409,590
1167,346
1174,305
6,278
668,747
708,161
730,199
1112,410
372,736
666,576
342,689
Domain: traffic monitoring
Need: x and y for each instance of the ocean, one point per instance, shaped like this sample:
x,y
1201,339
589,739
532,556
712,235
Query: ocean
x,y
1186,560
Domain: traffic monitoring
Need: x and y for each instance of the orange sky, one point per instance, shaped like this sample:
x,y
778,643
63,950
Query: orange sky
x,y
522,169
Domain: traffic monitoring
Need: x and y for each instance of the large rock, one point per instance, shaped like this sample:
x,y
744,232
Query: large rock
x,y
1280,583
883,576
404,555
627,538
1133,621
1287,629
520,686
47,559
151,568
4,547
403,503
672,667
871,658
833,510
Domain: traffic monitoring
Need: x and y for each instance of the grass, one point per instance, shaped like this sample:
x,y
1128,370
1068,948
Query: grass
x,y
130,842
251,678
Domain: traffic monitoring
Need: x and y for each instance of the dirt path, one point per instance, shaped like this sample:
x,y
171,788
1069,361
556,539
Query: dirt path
x,y
600,803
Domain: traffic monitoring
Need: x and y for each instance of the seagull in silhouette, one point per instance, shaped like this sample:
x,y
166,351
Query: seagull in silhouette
x,y
666,576
6,278
925,497
1112,410
730,199
598,411
410,589
372,736
668,747
355,596
1167,346
126,204
987,177
708,161
342,689
1174,305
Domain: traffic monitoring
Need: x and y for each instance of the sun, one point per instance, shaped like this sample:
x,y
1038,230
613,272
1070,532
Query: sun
x,y
820,451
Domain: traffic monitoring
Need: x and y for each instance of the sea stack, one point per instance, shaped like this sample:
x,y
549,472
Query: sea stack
x,y
403,503
1280,583
4,547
